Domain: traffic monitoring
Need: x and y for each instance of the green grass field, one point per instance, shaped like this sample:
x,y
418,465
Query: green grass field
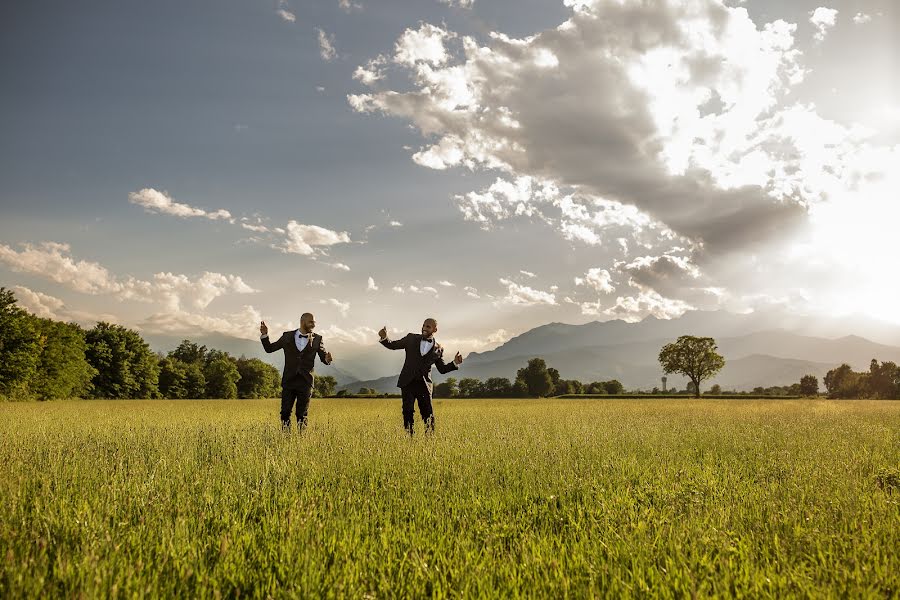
x,y
511,498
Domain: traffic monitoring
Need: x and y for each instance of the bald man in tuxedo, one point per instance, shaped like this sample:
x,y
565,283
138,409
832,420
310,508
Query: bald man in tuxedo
x,y
301,346
422,352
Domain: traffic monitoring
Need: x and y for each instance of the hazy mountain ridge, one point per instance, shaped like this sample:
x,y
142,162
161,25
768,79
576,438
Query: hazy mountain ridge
x,y
628,351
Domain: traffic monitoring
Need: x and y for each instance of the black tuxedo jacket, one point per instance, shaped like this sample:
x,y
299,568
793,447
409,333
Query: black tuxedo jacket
x,y
298,366
417,367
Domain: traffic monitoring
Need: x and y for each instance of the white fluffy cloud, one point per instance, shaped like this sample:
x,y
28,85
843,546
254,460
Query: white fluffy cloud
x,y
370,285
284,12
525,295
349,6
306,239
598,279
177,296
860,18
823,19
343,307
666,127
160,202
326,45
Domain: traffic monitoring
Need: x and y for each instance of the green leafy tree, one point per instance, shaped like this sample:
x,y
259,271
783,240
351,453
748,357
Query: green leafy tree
x,y
194,381
843,382
446,389
693,357
883,380
520,388
125,367
172,378
715,390
613,386
324,385
536,377
62,370
258,379
469,387
189,353
19,347
498,387
809,385
221,378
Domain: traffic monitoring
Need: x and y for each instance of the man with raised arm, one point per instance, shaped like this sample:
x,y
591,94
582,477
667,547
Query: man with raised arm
x,y
300,349
422,351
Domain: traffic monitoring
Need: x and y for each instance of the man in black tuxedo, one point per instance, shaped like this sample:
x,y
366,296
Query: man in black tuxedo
x,y
300,349
422,351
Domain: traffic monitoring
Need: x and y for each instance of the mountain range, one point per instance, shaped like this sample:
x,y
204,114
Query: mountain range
x,y
756,353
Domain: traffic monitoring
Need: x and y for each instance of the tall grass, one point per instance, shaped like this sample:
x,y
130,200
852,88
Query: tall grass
x,y
512,498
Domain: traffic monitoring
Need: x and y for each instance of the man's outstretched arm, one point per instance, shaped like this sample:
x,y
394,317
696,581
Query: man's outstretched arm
x,y
268,346
324,355
444,367
391,344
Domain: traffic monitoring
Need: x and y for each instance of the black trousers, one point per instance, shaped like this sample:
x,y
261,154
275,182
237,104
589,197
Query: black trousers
x,y
417,391
301,394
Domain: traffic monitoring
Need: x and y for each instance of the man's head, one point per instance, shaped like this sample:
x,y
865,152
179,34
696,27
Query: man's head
x,y
429,328
307,322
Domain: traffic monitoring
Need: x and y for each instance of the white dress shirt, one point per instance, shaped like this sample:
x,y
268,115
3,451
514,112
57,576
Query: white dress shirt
x,y
425,346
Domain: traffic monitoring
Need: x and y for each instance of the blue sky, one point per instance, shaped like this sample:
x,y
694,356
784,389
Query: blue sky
x,y
535,153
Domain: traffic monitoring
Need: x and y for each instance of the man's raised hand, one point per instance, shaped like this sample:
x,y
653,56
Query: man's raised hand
x,y
263,329
458,358
383,332
328,358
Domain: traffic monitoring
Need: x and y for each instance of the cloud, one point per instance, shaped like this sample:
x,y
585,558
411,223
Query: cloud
x,y
459,3
52,261
823,19
446,283
860,18
471,292
307,239
46,306
598,279
476,344
349,6
372,71
646,128
318,282
424,45
160,202
343,307
370,286
528,274
174,294
339,266
635,308
326,45
284,11
415,289
396,224
525,295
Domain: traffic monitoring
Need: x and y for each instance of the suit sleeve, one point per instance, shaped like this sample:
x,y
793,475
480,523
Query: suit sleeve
x,y
442,366
322,351
394,344
270,347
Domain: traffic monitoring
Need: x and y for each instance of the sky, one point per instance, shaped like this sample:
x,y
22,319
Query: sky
x,y
187,168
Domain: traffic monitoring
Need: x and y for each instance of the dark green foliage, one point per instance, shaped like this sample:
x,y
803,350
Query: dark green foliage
x,y
221,377
446,389
694,357
62,369
19,347
809,385
125,366
258,379
323,386
536,377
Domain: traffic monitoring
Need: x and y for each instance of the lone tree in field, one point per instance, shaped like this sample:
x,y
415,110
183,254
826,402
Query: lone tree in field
x,y
694,357
809,385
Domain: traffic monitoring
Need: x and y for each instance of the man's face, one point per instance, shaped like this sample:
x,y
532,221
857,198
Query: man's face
x,y
429,328
308,323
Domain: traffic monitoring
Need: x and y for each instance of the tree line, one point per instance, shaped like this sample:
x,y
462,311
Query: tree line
x,y
881,381
45,359
536,379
